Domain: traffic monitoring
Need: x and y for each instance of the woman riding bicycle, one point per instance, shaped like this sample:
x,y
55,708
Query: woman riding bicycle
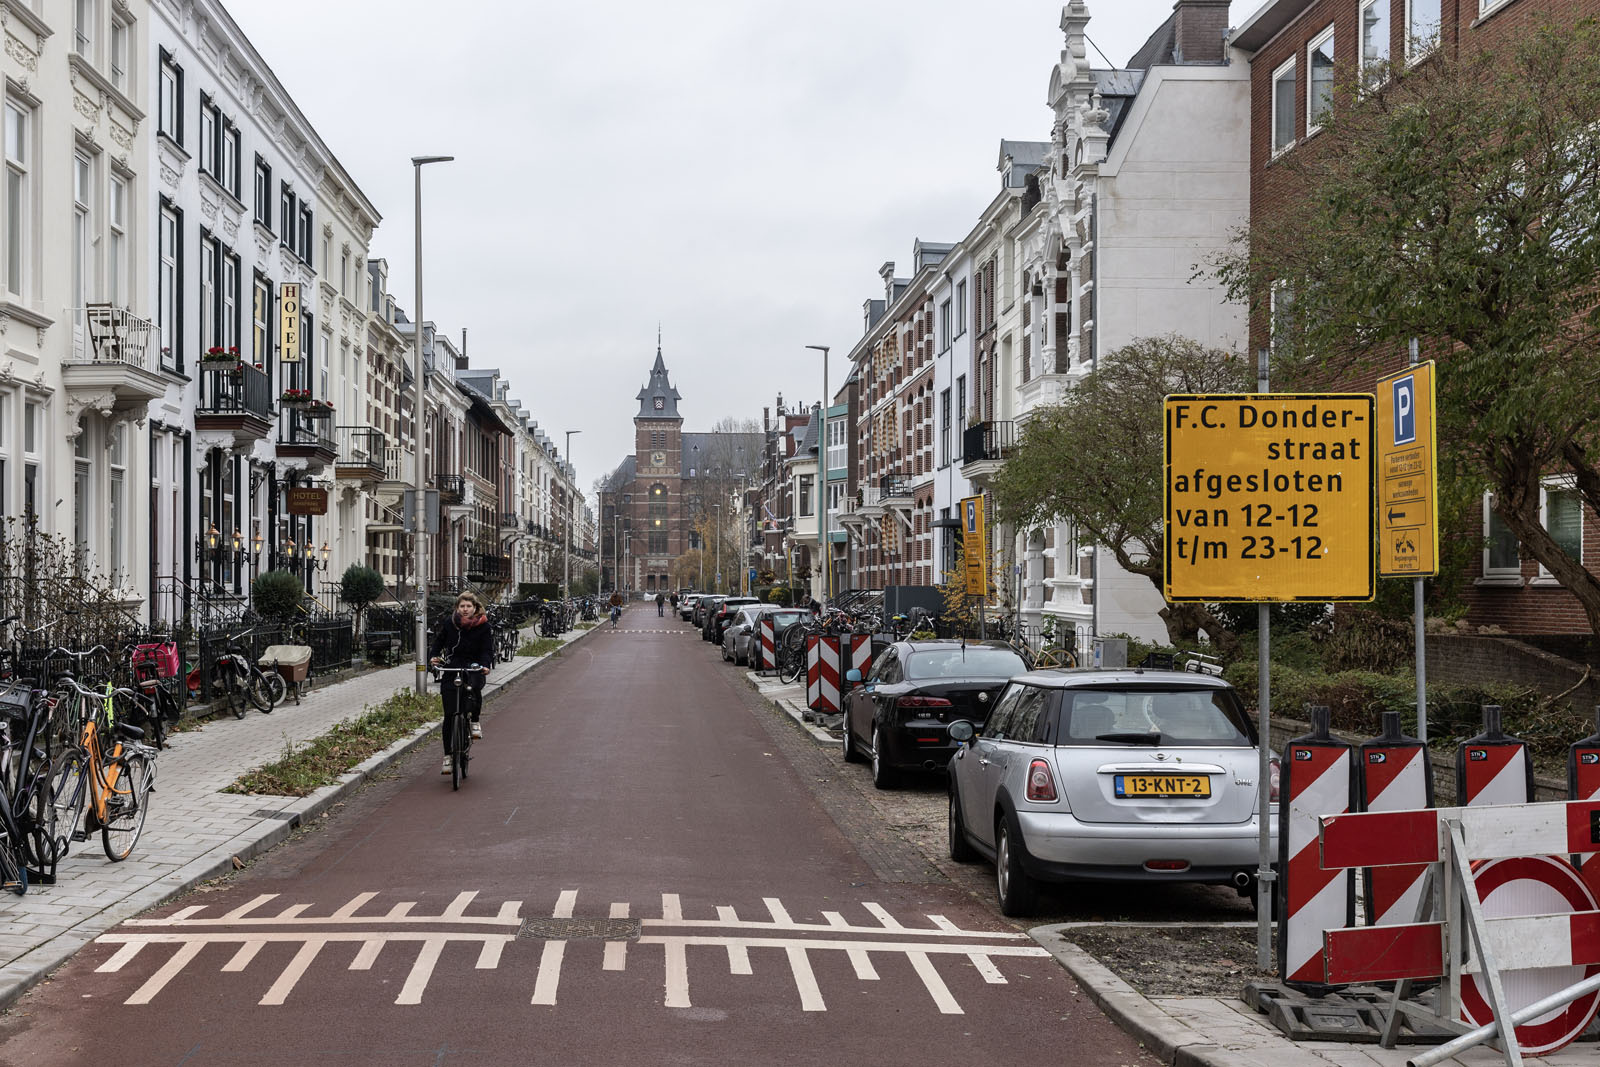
x,y
465,639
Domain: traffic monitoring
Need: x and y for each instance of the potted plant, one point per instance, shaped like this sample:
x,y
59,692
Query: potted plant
x,y
295,398
319,409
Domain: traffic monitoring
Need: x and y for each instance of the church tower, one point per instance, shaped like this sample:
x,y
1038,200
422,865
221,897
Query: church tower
x,y
658,477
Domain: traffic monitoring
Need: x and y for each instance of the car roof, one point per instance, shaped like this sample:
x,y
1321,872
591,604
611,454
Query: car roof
x,y
935,644
1090,677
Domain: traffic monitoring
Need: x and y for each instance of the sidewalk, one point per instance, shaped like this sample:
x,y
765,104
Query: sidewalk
x,y
194,831
1191,1031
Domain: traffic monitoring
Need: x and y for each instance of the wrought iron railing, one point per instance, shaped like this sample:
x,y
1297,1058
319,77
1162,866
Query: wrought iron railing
x,y
295,429
988,441
234,388
360,446
895,485
452,488
510,521
102,333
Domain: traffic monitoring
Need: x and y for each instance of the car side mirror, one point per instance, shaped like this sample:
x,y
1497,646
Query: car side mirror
x,y
962,730
852,675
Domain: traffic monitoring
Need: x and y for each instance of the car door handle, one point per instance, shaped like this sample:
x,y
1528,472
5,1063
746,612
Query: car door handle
x,y
982,762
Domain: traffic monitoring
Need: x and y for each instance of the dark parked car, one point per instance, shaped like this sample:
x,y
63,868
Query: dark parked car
x,y
898,715
741,640
701,606
721,615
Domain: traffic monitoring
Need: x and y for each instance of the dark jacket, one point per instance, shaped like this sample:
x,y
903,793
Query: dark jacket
x,y
463,647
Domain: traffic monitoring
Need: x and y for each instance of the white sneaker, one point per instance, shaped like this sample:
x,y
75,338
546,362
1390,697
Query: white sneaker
x,y
446,768
477,731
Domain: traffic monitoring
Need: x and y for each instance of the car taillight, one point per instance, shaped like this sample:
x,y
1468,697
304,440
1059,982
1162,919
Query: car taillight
x,y
1274,774
924,702
1041,783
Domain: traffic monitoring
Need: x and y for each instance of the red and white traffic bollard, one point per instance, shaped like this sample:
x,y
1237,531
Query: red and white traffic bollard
x,y
1583,783
823,673
1318,778
1493,768
769,645
1396,775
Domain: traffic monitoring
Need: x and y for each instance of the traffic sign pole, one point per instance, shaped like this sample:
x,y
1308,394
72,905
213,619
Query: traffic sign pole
x,y
1264,875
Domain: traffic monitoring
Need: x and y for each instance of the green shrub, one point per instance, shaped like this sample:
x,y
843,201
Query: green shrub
x,y
277,594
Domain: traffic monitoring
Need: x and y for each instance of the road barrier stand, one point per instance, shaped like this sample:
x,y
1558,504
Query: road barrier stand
x,y
1583,783
1395,775
860,653
769,646
1493,768
822,673
1517,938
1318,779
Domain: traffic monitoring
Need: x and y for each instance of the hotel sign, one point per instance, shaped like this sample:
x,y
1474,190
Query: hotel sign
x,y
289,323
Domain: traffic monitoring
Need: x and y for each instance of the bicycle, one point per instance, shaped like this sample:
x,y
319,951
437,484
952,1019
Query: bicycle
x,y
27,816
238,677
96,790
459,743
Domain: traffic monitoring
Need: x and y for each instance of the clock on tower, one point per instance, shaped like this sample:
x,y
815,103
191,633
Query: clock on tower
x,y
658,459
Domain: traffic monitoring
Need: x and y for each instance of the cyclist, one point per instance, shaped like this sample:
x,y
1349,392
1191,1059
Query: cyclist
x,y
463,639
616,613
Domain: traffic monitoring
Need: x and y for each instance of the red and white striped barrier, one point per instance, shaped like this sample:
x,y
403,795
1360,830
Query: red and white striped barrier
x,y
822,673
1396,775
1539,924
860,653
1583,783
1318,780
769,645
1493,768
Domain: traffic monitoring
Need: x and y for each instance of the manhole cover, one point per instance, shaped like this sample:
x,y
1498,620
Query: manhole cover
x,y
580,930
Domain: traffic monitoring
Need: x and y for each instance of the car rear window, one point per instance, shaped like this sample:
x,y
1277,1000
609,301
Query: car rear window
x,y
970,662
1198,717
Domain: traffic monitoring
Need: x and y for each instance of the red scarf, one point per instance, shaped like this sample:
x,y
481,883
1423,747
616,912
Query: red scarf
x,y
477,620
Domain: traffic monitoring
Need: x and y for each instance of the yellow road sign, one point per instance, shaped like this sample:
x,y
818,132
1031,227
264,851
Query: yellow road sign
x,y
1408,477
1269,496
973,556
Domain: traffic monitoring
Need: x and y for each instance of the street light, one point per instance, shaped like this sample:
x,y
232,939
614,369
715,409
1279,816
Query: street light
x,y
419,538
718,559
566,549
824,555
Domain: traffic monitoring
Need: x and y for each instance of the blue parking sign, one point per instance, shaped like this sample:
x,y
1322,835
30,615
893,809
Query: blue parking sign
x,y
1405,409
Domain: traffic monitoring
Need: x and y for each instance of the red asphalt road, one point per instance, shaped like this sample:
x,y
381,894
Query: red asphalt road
x,y
632,779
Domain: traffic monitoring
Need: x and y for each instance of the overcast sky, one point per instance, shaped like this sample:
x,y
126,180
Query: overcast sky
x,y
734,170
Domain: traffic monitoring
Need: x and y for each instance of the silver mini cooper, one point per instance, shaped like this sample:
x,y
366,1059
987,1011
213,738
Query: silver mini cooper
x,y
1109,776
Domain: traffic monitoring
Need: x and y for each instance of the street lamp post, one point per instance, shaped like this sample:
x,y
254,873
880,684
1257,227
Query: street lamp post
x,y
419,537
823,554
717,563
566,548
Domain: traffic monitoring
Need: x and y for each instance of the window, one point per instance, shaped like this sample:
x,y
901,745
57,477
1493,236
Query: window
x,y
1319,80
169,297
1487,6
169,102
260,313
838,446
230,301
286,214
944,428
210,312
230,160
1374,37
1561,514
263,197
82,197
1280,308
116,497
119,54
81,482
344,274
19,219
117,240
805,494
1283,87
210,135
961,308
944,325
1422,27
305,231
83,27
1500,556
961,402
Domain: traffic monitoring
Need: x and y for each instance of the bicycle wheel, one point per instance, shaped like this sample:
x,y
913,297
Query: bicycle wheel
x,y
39,833
268,687
127,803
458,748
69,796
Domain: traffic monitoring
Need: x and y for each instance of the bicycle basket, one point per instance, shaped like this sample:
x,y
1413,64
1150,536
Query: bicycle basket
x,y
162,655
16,705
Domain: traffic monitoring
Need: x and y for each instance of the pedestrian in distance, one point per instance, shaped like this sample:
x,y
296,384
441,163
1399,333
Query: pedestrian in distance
x,y
464,639
661,605
674,600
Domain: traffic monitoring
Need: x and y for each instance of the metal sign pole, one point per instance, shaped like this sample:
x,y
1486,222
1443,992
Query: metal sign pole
x,y
1264,875
1421,639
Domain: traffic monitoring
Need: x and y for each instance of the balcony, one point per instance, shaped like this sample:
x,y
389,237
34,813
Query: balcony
x,y
399,470
303,436
234,398
452,489
896,489
488,567
361,454
985,448
871,506
114,364
510,521
532,527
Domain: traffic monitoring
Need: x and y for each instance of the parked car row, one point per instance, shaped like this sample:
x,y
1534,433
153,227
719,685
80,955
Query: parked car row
x,y
733,623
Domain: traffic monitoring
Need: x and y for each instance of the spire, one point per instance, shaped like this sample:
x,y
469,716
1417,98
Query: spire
x,y
658,399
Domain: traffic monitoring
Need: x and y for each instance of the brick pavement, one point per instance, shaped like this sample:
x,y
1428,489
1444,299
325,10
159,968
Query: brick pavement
x,y
194,831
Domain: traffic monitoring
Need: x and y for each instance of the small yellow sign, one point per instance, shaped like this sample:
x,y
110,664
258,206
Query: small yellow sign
x,y
1408,486
289,323
1269,497
973,555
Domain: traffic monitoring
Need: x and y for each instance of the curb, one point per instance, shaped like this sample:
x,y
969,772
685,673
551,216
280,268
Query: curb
x,y
1162,1035
818,734
33,967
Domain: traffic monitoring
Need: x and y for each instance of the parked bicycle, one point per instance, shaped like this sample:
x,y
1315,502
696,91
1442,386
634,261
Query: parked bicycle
x,y
27,817
241,679
104,781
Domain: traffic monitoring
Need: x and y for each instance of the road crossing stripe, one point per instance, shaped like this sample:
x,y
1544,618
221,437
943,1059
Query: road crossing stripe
x,y
367,956
293,973
246,908
166,973
355,904
241,959
421,971
616,954
549,979
935,985
805,980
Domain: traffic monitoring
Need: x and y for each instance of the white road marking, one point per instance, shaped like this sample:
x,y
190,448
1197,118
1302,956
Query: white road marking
x,y
889,921
489,957
242,958
565,903
183,913
861,960
544,987
944,924
292,974
367,956
671,909
120,958
616,952
458,906
986,967
246,908
421,971
836,920
355,905
509,911
166,973
805,980
780,915
935,985
291,912
677,968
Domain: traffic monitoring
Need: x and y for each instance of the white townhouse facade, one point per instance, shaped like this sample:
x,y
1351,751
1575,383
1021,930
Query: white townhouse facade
x,y
78,355
1146,176
248,198
952,367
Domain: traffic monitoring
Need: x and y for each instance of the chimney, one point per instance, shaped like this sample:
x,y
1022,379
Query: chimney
x,y
886,272
1198,30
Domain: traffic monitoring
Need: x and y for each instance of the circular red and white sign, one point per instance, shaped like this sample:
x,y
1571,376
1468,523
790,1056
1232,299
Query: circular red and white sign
x,y
1533,885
